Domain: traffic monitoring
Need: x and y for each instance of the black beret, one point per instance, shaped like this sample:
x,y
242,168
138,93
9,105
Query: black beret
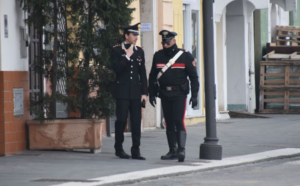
x,y
132,29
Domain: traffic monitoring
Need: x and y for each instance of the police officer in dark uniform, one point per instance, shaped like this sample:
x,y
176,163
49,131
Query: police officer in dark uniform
x,y
168,80
130,90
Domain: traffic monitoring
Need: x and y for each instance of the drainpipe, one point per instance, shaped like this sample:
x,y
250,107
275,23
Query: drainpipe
x,y
155,48
210,149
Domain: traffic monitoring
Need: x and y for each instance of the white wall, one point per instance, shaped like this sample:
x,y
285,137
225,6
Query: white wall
x,y
277,16
250,68
287,5
220,5
220,65
273,22
235,25
10,47
221,68
284,18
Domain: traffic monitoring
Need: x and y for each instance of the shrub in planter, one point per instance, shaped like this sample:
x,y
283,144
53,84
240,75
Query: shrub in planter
x,y
75,60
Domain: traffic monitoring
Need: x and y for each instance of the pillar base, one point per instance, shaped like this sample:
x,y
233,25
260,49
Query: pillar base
x,y
210,151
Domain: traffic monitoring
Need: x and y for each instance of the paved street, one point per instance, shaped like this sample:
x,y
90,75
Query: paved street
x,y
238,137
281,172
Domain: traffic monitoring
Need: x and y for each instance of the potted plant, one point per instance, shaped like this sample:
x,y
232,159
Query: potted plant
x,y
75,60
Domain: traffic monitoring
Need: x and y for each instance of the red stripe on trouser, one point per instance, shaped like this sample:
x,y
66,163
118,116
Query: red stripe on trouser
x,y
184,115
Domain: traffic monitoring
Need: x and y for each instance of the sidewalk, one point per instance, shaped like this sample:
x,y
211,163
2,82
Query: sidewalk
x,y
238,137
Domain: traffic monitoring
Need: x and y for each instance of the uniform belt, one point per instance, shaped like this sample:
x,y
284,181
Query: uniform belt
x,y
171,88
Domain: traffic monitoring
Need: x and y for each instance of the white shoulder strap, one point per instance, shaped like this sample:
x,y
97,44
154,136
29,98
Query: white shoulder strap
x,y
169,64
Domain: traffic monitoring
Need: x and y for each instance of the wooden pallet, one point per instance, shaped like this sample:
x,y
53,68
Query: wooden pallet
x,y
279,85
288,28
279,56
282,49
288,35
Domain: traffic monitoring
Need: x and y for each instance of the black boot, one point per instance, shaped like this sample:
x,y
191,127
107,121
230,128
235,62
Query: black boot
x,y
122,154
172,154
181,139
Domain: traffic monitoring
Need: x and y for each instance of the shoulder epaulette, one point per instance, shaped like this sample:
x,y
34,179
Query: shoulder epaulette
x,y
159,50
140,47
116,46
182,49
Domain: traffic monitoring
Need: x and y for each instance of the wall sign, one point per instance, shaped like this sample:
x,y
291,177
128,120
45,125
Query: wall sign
x,y
146,27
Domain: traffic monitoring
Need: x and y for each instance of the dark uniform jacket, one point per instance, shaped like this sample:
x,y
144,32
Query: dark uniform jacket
x,y
131,79
175,76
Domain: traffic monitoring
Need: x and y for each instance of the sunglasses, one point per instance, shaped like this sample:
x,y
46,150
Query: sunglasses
x,y
167,41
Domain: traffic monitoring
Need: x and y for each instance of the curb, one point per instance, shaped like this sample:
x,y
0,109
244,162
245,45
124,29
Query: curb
x,y
137,176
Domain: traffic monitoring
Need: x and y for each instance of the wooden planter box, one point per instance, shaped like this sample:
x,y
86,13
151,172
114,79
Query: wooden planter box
x,y
66,134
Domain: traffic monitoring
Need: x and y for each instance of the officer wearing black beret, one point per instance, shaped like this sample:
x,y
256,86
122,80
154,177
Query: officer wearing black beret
x,y
130,90
168,80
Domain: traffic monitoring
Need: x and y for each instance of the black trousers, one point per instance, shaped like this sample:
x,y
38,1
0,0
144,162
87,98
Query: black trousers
x,y
174,113
122,108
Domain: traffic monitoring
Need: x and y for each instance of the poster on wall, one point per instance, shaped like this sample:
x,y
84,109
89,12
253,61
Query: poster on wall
x,y
5,26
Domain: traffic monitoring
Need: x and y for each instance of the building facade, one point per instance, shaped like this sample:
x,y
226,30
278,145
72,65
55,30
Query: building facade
x,y
235,49
14,78
242,28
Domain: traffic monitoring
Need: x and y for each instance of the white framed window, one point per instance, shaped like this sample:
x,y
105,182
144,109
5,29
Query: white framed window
x,y
191,24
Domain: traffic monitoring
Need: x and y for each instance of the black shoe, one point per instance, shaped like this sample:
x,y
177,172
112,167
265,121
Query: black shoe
x,y
138,157
169,156
122,155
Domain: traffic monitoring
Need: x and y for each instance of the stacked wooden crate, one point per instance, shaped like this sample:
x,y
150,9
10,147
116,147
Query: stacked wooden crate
x,y
288,35
280,83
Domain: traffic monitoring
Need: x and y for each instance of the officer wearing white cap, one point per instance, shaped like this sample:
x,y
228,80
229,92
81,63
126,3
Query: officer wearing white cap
x,y
168,80
130,90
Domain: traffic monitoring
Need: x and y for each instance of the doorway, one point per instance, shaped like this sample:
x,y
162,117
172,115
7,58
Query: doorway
x,y
191,25
240,56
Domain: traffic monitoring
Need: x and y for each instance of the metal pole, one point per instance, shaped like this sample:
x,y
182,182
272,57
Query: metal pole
x,y
210,149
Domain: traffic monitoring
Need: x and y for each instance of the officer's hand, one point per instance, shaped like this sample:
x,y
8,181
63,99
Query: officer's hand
x,y
144,97
129,51
152,101
194,101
